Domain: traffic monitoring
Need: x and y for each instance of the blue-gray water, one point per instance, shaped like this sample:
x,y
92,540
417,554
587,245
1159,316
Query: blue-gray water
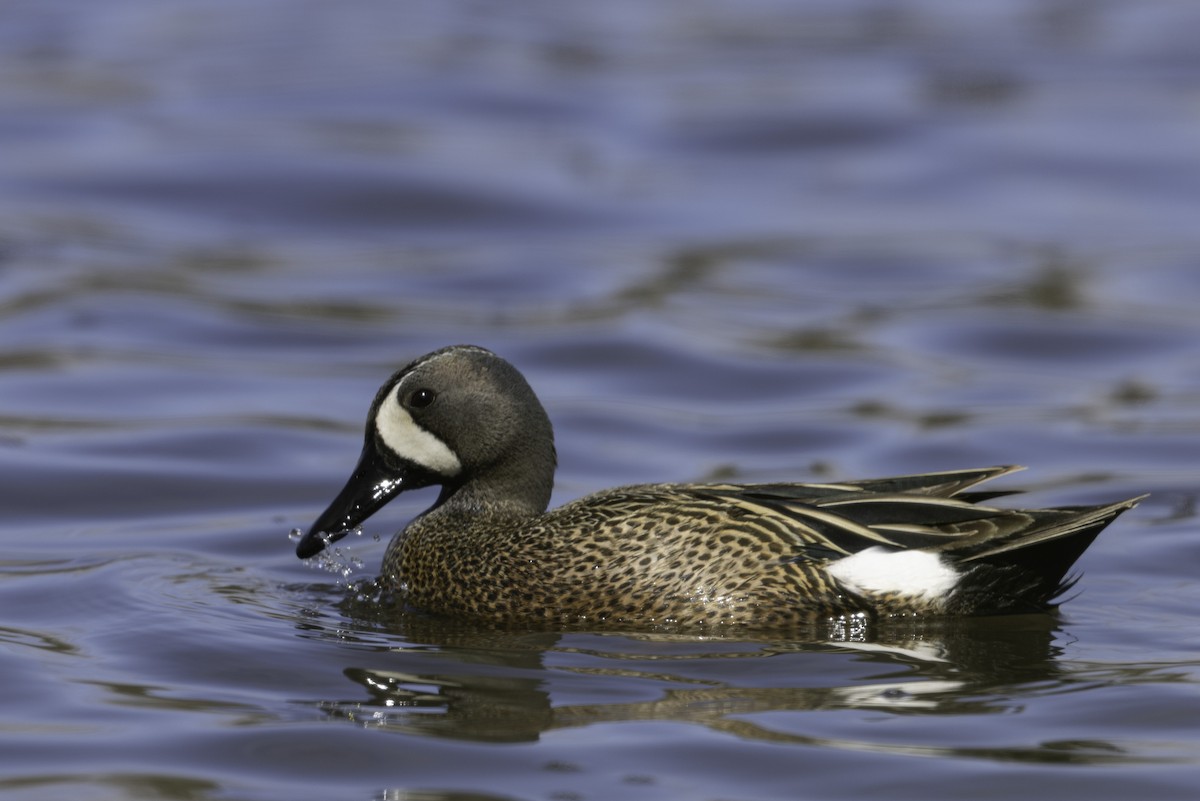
x,y
759,240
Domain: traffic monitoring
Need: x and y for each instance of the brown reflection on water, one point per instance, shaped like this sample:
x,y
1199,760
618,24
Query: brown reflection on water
x,y
497,686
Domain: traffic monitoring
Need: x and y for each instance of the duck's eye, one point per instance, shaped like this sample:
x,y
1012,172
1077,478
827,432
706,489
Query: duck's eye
x,y
420,398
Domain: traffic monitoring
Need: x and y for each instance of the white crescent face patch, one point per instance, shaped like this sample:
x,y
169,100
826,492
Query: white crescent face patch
x,y
401,434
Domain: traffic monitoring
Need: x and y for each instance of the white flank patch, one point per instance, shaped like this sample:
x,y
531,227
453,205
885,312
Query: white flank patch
x,y
917,574
407,439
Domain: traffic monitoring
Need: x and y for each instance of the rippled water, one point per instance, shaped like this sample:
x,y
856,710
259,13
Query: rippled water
x,y
759,240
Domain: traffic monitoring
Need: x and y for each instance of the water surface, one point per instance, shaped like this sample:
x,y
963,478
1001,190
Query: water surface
x,y
778,242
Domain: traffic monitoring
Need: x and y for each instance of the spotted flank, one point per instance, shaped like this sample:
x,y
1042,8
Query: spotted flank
x,y
678,555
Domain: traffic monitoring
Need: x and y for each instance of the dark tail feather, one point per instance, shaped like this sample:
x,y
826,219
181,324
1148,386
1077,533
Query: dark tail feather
x,y
1029,573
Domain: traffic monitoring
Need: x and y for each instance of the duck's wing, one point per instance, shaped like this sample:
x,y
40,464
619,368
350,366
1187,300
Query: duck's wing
x,y
1001,560
830,526
929,511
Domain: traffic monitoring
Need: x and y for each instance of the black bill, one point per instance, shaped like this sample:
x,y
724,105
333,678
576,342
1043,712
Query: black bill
x,y
375,481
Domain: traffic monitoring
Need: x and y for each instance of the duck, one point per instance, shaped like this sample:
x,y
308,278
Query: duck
x,y
676,555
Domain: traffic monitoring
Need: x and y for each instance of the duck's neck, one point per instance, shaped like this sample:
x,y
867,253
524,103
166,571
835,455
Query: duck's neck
x,y
507,490
517,482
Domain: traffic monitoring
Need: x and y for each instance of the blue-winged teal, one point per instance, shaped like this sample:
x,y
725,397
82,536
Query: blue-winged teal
x,y
684,554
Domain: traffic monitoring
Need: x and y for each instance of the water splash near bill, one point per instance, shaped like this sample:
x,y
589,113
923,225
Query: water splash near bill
x,y
340,560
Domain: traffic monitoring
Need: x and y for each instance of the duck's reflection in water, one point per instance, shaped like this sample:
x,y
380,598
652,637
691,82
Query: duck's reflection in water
x,y
481,684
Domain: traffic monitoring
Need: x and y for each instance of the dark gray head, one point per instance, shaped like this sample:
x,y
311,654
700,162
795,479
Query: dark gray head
x,y
461,417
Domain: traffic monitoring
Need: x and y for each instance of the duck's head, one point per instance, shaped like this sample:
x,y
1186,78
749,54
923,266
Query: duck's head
x,y
460,417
